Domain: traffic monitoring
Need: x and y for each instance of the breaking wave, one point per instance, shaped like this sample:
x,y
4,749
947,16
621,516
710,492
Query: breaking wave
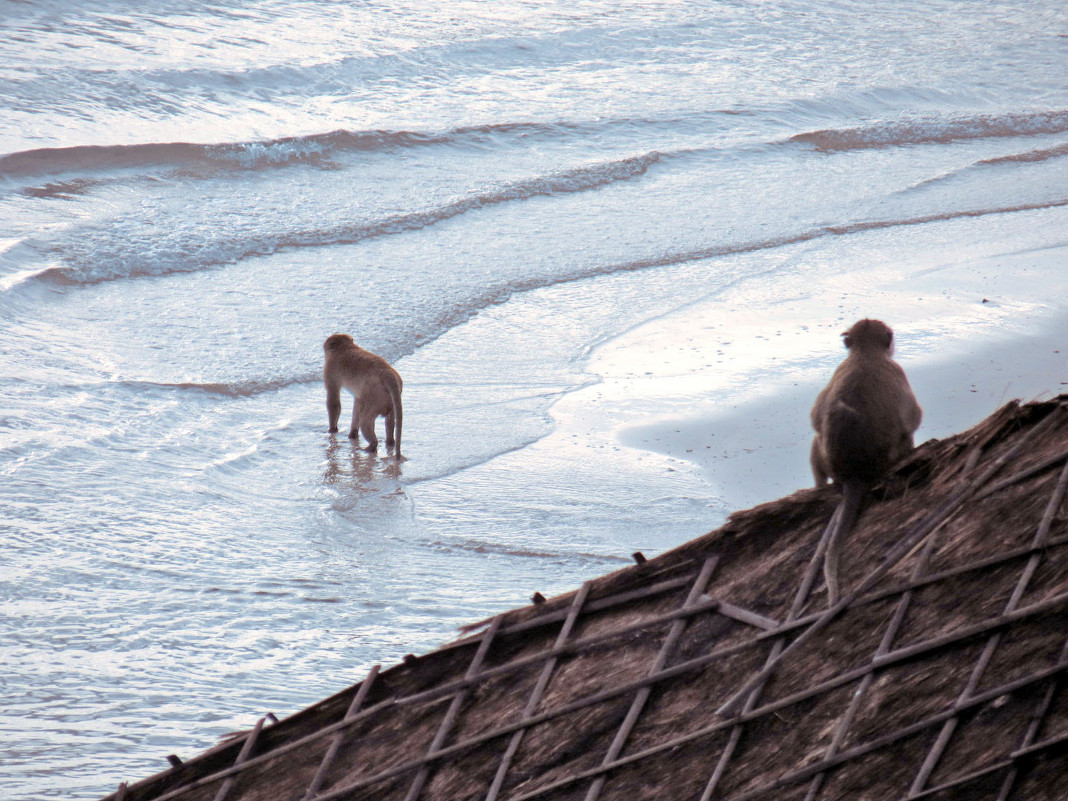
x,y
234,389
1013,159
934,130
312,149
751,246
127,259
1030,157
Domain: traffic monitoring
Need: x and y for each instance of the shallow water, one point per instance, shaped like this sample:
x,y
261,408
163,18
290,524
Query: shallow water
x,y
510,201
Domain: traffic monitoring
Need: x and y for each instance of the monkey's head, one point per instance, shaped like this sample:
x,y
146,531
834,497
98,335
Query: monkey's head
x,y
870,334
337,342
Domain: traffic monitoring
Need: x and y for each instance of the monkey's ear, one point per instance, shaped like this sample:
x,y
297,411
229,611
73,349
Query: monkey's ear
x,y
846,340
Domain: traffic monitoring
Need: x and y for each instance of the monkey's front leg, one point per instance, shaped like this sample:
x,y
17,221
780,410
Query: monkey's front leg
x,y
333,407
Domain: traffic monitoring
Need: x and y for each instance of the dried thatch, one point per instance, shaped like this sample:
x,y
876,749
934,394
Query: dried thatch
x,y
716,671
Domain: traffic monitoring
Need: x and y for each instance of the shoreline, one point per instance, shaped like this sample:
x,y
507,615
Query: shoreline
x,y
758,450
737,408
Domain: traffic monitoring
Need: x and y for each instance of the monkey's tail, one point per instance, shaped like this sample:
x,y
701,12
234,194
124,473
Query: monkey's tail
x,y
398,418
842,521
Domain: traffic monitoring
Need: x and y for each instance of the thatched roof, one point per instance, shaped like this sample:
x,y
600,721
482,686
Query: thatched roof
x,y
716,670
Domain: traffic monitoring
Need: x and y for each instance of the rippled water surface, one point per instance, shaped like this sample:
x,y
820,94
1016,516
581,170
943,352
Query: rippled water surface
x,y
491,195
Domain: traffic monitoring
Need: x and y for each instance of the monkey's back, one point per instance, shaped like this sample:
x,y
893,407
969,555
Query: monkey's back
x,y
346,357
865,418
363,373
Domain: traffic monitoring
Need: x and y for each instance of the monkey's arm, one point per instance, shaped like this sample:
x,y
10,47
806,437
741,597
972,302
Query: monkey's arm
x,y
915,414
908,409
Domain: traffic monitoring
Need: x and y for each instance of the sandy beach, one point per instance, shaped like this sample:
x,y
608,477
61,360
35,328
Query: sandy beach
x,y
977,325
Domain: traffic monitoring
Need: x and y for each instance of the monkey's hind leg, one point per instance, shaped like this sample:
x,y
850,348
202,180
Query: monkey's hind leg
x,y
390,440
367,428
815,458
354,428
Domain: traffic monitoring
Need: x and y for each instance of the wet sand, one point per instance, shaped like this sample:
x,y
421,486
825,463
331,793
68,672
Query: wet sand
x,y
971,334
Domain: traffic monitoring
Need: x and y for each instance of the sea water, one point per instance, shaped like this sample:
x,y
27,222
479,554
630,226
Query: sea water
x,y
575,228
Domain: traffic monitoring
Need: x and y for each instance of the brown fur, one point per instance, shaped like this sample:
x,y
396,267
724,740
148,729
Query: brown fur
x,y
375,385
864,420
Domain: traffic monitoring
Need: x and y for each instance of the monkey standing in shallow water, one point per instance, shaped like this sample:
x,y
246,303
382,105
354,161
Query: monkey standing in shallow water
x,y
864,420
375,385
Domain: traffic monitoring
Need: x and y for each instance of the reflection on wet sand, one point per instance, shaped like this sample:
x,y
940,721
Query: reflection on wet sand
x,y
364,473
